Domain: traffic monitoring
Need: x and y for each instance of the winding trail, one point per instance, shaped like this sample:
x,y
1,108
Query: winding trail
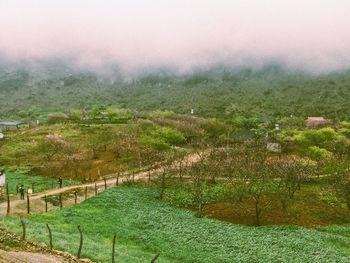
x,y
188,160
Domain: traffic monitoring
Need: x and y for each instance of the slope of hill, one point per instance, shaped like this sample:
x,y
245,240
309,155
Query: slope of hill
x,y
221,92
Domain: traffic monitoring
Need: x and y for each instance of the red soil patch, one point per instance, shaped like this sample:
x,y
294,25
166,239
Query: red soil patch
x,y
310,213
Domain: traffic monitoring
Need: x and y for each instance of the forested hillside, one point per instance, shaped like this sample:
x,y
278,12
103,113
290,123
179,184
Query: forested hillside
x,y
219,92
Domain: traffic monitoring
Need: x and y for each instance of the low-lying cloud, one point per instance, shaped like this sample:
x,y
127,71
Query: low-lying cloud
x,y
182,34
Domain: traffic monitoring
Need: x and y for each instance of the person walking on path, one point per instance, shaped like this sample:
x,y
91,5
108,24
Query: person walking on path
x,y
21,192
60,182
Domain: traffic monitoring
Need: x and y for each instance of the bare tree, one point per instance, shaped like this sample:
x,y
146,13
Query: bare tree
x,y
51,146
165,174
341,177
249,175
198,173
289,174
162,178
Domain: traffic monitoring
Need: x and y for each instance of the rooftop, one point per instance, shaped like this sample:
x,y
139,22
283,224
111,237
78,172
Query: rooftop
x,y
9,123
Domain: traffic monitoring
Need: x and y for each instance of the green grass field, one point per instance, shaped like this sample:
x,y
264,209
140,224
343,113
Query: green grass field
x,y
145,226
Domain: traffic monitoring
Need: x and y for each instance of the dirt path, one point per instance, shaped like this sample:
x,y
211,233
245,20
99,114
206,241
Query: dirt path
x,y
14,250
28,257
189,159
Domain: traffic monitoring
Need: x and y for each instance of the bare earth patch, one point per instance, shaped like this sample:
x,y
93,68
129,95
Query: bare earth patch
x,y
28,257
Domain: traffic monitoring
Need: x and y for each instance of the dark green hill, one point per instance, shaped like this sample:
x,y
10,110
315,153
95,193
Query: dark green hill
x,y
219,92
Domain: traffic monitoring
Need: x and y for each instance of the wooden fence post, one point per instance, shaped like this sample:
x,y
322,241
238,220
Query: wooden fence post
x,y
81,242
75,197
8,204
28,204
7,188
86,192
155,258
117,180
162,187
45,203
60,199
113,248
105,183
23,229
95,188
50,236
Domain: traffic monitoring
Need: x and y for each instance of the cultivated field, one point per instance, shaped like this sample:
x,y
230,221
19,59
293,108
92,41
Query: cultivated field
x,y
146,226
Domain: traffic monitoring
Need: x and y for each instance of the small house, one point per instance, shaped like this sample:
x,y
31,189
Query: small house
x,y
316,121
9,125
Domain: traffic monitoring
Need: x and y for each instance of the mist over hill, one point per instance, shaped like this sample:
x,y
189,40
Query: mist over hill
x,y
226,59
222,91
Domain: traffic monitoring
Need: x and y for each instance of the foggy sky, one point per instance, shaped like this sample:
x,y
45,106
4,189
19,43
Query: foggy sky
x,y
311,34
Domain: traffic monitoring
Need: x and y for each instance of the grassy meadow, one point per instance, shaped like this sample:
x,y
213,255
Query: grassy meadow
x,y
146,225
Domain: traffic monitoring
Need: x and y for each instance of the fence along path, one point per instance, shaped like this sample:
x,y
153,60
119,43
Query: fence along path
x,y
189,159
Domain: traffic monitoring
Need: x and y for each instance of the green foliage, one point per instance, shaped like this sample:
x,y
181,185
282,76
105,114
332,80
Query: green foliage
x,y
345,132
180,197
345,124
114,113
183,197
170,135
318,153
291,122
57,117
247,123
162,114
33,112
162,138
321,137
145,225
75,115
214,128
289,133
330,199
261,131
96,110
155,143
145,124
